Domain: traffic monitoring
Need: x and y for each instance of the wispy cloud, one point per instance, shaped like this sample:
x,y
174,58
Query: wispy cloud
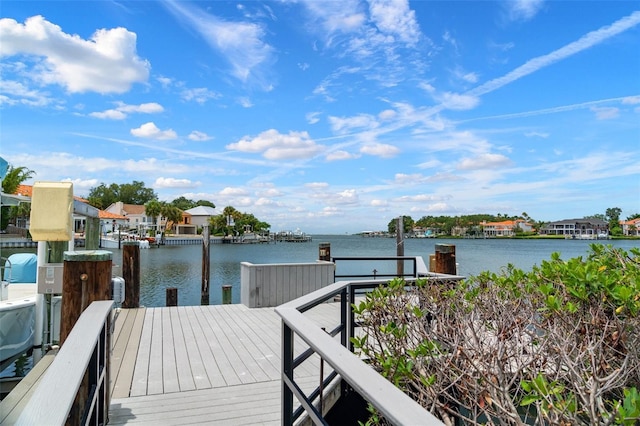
x,y
240,43
122,110
523,10
585,42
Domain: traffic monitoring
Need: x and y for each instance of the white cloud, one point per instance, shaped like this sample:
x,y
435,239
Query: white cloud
x,y
585,42
316,186
348,196
274,145
14,92
122,110
346,125
340,155
379,203
151,131
396,19
163,182
199,95
537,135
199,136
631,100
380,150
229,191
523,10
313,117
240,43
484,161
606,113
456,101
107,63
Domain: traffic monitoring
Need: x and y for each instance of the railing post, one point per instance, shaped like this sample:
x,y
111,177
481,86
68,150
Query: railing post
x,y
287,371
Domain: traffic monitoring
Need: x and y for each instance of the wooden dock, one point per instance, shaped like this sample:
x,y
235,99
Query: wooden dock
x,y
203,364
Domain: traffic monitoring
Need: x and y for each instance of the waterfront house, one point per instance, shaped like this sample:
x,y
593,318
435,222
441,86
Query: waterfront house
x,y
577,228
194,219
631,228
135,217
505,228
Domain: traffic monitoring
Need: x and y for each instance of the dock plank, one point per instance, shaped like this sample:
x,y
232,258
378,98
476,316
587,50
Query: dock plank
x,y
139,384
225,359
125,350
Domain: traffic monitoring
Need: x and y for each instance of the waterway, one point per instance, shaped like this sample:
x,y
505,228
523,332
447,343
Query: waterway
x,y
180,266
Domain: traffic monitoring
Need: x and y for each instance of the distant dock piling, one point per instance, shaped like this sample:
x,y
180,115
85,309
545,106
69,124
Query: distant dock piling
x,y
445,259
172,296
206,260
131,274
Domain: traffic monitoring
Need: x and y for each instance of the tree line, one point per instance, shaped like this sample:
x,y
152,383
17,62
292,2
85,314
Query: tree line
x,y
446,224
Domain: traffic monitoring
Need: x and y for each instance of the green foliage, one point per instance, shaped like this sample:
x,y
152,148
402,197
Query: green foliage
x,y
232,221
135,193
407,224
559,344
184,203
13,178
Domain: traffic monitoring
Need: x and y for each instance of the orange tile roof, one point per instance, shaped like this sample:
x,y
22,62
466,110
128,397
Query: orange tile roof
x,y
108,215
27,191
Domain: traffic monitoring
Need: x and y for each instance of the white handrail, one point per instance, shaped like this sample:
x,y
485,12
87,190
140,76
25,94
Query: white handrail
x,y
54,396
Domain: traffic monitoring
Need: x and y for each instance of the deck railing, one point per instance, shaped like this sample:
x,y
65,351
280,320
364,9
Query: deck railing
x,y
75,388
417,266
395,406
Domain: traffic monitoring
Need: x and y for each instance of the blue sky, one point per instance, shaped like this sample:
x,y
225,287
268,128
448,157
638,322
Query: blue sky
x,y
331,116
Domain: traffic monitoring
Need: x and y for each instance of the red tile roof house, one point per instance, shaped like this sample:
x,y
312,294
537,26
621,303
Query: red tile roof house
x,y
506,228
134,217
631,227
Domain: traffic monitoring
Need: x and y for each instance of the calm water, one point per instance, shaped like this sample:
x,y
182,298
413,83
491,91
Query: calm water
x,y
180,266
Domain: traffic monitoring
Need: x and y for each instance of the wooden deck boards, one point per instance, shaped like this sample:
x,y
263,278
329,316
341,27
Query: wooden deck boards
x,y
203,364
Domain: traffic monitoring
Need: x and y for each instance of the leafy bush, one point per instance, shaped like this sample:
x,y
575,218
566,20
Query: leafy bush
x,y
557,345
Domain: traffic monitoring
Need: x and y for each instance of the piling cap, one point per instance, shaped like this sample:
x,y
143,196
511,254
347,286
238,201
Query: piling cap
x,y
87,256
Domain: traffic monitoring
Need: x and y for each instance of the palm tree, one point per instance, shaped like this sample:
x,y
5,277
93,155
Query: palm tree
x,y
13,178
153,209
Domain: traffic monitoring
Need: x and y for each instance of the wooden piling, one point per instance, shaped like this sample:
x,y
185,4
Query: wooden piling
x,y
86,277
204,296
400,246
172,296
446,259
131,274
324,252
226,294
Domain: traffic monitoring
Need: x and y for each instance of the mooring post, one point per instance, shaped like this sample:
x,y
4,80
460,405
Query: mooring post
x,y
400,245
446,259
86,277
324,252
204,297
226,294
172,296
131,274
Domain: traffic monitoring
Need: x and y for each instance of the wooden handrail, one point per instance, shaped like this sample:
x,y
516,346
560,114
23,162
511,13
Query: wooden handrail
x,y
75,388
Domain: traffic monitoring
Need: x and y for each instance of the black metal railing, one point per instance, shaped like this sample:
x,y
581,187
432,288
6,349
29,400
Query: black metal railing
x,y
394,405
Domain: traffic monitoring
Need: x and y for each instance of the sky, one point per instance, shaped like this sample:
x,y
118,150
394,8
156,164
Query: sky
x,y
331,116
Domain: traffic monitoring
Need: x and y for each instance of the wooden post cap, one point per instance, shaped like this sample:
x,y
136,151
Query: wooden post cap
x,y
87,256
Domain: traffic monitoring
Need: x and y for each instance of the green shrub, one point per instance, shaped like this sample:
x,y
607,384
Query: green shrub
x,y
559,344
